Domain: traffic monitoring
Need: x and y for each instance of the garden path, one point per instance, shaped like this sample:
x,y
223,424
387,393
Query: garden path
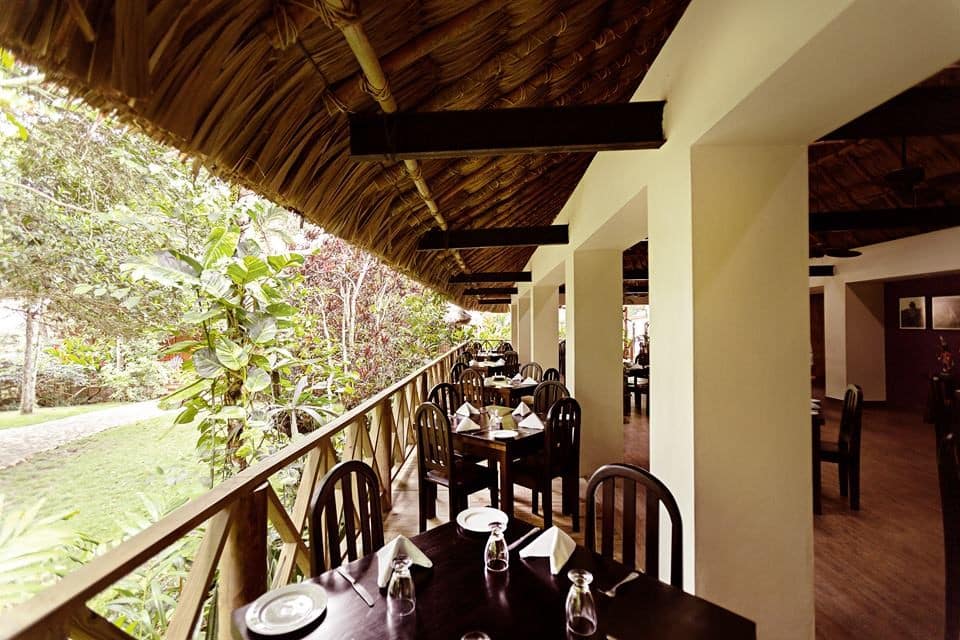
x,y
19,443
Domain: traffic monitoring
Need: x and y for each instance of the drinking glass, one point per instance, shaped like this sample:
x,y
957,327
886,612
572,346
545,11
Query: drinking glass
x,y
493,416
401,598
496,556
581,609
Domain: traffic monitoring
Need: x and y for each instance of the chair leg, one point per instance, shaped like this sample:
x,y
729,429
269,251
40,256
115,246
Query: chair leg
x,y
571,499
844,473
431,500
494,497
854,479
547,506
536,500
423,495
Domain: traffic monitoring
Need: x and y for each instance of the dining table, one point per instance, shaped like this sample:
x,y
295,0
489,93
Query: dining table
x,y
509,392
458,595
500,451
488,368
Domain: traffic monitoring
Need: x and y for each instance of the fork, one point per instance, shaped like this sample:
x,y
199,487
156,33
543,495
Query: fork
x,y
612,591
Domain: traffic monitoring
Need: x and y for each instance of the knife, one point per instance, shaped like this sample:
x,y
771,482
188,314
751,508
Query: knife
x,y
359,588
516,543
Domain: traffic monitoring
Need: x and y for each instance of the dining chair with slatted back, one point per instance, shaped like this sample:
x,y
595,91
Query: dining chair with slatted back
x,y
546,393
560,459
471,387
551,374
532,370
948,469
468,355
477,347
446,396
457,370
511,364
629,477
562,355
437,465
940,404
845,452
359,516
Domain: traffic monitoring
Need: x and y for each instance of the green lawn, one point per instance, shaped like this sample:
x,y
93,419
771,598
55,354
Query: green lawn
x,y
42,414
102,475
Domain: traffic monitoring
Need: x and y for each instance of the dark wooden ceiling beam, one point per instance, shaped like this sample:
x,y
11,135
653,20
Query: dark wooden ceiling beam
x,y
821,270
824,221
494,301
492,276
636,274
921,111
453,134
437,240
491,291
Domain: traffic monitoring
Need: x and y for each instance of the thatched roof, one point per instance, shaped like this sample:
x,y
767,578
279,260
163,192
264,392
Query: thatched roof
x,y
258,92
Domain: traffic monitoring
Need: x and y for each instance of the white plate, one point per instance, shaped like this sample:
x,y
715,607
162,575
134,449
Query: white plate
x,y
286,609
479,519
504,434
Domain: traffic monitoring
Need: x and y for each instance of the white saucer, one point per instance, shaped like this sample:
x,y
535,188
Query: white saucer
x,y
286,609
504,434
479,519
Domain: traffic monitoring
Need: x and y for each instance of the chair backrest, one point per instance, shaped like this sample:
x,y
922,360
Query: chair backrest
x,y
511,361
504,346
471,384
532,370
948,468
940,404
562,352
359,515
546,393
562,435
851,418
605,478
468,355
457,370
551,374
477,347
446,396
434,448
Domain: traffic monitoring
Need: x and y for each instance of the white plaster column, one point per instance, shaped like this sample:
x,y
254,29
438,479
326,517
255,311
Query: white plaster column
x,y
522,343
545,325
834,336
514,319
730,426
854,338
594,297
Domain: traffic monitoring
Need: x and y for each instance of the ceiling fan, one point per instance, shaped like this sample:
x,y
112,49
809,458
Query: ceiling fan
x,y
909,181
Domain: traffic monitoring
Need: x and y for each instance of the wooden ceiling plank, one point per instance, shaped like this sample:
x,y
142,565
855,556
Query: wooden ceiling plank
x,y
491,291
492,276
825,221
449,134
921,111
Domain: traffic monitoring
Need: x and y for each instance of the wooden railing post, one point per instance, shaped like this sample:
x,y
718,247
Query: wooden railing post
x,y
383,451
243,562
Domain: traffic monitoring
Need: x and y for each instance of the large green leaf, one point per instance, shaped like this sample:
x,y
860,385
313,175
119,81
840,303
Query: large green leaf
x,y
278,263
263,329
207,364
257,380
198,316
230,354
221,243
282,309
185,393
247,270
181,346
216,284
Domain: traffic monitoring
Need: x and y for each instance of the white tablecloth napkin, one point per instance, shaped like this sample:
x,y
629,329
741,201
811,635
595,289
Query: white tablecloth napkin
x,y
521,410
529,381
531,422
466,410
554,544
385,556
465,425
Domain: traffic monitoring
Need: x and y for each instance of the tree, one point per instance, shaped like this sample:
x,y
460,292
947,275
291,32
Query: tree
x,y
79,195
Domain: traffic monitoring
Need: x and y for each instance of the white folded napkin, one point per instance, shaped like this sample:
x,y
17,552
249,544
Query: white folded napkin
x,y
500,362
391,550
466,424
554,544
467,409
522,409
473,363
529,381
531,422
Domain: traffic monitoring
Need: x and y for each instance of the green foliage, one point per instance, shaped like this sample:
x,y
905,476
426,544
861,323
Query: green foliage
x,y
31,550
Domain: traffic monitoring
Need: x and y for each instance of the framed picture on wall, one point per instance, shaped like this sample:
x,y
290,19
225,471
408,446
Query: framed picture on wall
x,y
946,312
913,313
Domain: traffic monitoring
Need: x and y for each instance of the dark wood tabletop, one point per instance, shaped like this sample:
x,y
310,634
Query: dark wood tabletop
x,y
509,393
502,452
525,602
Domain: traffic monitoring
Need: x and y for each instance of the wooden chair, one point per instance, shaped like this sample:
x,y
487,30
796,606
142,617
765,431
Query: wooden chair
x,y
504,346
457,370
359,515
551,374
846,450
629,476
467,355
641,388
532,370
562,353
446,396
471,387
477,347
546,393
560,459
437,465
940,404
511,363
948,468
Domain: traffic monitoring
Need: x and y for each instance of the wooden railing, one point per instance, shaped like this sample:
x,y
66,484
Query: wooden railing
x,y
236,514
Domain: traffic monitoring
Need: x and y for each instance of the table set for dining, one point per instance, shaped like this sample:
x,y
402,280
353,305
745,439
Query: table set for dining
x,y
464,595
